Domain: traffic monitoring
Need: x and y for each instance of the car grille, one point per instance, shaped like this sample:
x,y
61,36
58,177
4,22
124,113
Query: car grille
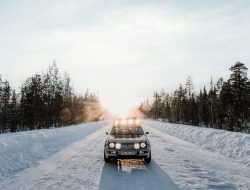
x,y
127,146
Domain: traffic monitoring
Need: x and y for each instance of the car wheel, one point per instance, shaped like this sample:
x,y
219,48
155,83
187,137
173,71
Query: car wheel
x,y
106,160
148,160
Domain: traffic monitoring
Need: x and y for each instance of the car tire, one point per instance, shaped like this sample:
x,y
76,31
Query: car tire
x,y
106,160
148,159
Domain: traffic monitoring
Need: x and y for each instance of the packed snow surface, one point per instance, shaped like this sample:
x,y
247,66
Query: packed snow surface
x,y
183,157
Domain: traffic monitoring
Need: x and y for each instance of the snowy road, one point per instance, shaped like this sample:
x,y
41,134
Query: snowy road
x,y
176,164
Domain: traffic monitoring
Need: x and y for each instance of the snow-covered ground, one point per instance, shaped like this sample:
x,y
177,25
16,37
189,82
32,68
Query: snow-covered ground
x,y
184,157
196,164
231,144
22,150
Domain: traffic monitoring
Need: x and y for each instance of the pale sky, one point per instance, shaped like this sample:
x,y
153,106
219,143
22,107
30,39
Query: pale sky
x,y
124,49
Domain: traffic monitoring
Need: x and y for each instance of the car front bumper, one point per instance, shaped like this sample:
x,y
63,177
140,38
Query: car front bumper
x,y
127,153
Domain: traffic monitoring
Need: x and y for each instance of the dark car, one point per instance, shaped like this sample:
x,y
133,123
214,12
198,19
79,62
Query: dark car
x,y
127,140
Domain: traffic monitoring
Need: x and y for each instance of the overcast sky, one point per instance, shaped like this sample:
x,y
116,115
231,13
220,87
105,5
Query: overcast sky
x,y
124,49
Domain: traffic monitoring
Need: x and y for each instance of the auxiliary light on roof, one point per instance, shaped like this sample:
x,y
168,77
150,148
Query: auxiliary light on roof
x,y
125,121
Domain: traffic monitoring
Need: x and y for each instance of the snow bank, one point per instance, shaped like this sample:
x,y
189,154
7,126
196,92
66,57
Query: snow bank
x,y
22,150
231,144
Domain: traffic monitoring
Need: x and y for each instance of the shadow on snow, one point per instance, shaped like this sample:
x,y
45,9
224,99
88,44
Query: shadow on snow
x,y
134,174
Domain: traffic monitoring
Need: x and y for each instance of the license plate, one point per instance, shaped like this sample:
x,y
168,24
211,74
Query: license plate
x,y
127,153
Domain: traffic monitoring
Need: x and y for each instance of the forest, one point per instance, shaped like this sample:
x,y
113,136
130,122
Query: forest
x,y
224,105
46,100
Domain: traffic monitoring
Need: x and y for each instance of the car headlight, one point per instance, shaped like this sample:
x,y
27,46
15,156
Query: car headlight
x,y
111,145
143,145
136,146
118,145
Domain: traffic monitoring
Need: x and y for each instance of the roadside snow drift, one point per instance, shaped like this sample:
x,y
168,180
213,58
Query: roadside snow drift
x,y
23,149
231,144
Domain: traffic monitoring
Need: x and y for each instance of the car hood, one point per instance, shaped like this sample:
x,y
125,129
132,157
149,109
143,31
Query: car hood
x,y
127,139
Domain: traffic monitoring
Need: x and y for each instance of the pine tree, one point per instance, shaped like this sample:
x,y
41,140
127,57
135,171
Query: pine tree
x,y
1,105
190,104
239,86
189,86
5,105
13,112
67,91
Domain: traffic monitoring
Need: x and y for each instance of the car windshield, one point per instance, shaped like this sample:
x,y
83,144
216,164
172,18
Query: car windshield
x,y
127,131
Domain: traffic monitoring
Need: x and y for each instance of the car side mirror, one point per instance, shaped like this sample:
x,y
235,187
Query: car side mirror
x,y
107,133
147,133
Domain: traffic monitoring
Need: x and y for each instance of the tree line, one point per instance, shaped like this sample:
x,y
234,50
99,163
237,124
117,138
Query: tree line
x,y
45,100
225,105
